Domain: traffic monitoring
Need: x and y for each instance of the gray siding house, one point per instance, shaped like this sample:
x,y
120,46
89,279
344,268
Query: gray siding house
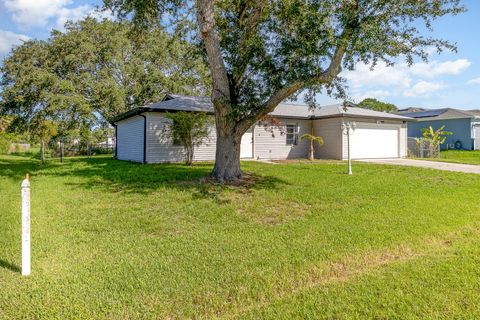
x,y
464,125
141,135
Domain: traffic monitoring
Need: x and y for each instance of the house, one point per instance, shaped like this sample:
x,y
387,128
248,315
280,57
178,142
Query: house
x,y
464,125
140,133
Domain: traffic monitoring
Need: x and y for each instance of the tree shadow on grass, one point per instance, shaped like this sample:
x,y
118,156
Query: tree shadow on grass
x,y
10,266
128,177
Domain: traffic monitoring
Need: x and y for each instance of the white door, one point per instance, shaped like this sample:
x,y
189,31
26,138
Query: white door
x,y
476,137
246,146
371,143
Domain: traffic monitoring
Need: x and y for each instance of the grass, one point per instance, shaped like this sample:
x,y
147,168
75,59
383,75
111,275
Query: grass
x,y
459,156
117,240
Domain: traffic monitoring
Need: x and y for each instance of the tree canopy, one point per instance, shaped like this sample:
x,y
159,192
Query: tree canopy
x,y
94,70
263,52
188,129
374,104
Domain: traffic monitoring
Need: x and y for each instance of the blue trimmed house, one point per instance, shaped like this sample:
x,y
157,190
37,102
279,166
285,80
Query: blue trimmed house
x,y
465,126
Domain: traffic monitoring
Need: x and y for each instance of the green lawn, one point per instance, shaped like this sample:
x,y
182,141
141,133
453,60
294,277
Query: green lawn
x,y
115,240
457,156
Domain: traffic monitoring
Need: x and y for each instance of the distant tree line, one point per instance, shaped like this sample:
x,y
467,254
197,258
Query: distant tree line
x,y
73,82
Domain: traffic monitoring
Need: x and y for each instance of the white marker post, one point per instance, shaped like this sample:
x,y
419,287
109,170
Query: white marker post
x,y
26,227
348,129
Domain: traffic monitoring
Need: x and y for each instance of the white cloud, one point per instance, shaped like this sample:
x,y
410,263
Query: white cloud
x,y
401,80
423,88
474,81
75,14
37,13
9,39
381,75
436,68
375,94
32,13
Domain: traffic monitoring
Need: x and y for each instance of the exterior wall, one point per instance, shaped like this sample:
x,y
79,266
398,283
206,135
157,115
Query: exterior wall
x,y
402,127
461,129
331,132
268,146
130,139
476,135
160,147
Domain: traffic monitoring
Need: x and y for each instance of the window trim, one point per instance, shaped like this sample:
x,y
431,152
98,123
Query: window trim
x,y
295,133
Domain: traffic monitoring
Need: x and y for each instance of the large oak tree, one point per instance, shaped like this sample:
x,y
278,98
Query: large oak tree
x,y
261,52
81,77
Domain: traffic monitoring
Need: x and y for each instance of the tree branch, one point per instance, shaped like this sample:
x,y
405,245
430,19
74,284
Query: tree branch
x,y
249,24
326,76
206,21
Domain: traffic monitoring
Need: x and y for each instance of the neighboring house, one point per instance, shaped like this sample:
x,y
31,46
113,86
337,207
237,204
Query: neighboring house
x,y
464,125
140,133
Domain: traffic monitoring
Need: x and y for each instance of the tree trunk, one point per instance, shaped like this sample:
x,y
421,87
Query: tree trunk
x,y
42,151
189,155
227,157
61,151
311,152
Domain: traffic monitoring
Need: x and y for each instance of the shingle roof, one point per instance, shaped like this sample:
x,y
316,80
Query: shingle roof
x,y
286,110
439,114
475,113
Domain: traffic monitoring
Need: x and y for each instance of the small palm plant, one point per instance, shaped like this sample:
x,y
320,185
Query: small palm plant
x,y
436,138
313,139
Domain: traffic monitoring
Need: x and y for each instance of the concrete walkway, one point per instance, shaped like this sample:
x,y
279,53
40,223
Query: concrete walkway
x,y
445,166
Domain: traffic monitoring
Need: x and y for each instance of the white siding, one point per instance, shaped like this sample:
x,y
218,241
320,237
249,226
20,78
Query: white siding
x,y
371,123
331,132
160,147
274,146
206,151
130,139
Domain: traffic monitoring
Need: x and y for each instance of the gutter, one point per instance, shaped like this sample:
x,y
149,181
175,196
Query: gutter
x,y
115,155
144,137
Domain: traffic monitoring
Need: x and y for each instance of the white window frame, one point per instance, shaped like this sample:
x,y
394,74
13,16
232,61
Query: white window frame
x,y
295,134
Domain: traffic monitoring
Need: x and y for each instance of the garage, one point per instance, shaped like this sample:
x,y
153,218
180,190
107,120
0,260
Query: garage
x,y
375,142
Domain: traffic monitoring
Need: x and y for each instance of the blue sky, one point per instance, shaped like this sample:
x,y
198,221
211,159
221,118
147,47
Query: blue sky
x,y
449,80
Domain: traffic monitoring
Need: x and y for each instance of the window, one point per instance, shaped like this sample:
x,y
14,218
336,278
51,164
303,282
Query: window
x,y
292,134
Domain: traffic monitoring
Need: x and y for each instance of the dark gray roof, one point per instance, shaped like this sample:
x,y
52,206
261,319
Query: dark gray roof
x,y
439,114
475,113
410,109
285,110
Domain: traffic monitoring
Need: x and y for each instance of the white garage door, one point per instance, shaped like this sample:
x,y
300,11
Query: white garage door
x,y
246,146
370,143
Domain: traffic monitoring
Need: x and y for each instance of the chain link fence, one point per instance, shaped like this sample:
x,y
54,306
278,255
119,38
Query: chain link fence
x,y
422,148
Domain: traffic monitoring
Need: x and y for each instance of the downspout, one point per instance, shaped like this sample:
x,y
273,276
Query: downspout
x,y
115,155
144,137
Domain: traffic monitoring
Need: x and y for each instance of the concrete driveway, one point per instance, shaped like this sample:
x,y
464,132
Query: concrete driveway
x,y
445,166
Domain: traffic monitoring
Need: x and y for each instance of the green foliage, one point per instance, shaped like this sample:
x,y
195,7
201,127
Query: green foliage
x,y
436,137
261,53
94,70
5,142
312,139
268,46
189,129
374,104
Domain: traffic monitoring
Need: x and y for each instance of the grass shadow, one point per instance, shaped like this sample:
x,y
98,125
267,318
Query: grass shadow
x,y
10,266
129,177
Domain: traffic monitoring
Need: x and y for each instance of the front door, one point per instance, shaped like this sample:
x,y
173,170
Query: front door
x,y
246,146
